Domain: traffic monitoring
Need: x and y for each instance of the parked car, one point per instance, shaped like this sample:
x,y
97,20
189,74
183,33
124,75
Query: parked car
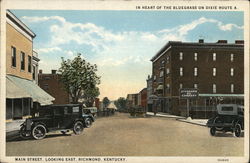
x,y
56,117
90,110
229,118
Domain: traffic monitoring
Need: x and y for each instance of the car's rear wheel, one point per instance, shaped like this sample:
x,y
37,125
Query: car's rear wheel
x,y
78,127
88,122
237,130
212,131
39,132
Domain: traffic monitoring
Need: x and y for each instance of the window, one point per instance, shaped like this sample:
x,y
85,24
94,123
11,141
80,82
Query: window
x,y
22,60
214,71
214,88
232,72
167,59
181,85
29,63
232,88
168,88
46,86
181,56
13,56
232,57
196,86
47,77
34,73
195,71
195,56
161,74
181,71
167,71
154,77
214,56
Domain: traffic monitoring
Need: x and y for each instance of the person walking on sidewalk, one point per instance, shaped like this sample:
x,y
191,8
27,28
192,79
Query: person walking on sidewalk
x,y
155,110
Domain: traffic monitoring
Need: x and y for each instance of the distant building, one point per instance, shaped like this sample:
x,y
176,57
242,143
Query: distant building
x,y
132,100
52,85
142,98
215,69
23,95
149,94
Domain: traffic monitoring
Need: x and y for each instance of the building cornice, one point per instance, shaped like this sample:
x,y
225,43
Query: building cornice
x,y
11,17
174,44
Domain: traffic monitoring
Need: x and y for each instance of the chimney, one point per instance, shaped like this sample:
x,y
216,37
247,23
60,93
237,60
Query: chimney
x,y
222,41
201,41
40,71
53,71
239,41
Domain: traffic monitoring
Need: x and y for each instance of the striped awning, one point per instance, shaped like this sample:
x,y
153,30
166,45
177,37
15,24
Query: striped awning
x,y
23,88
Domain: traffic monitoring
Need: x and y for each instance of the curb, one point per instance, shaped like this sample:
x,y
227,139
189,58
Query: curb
x,y
12,135
181,120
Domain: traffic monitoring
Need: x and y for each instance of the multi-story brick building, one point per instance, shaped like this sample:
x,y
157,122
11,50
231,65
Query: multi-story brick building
x,y
52,85
215,69
23,95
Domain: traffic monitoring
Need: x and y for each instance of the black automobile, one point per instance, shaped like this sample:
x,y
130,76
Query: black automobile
x,y
56,117
229,118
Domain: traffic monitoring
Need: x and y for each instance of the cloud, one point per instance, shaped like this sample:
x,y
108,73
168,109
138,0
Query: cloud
x,y
36,19
48,50
180,32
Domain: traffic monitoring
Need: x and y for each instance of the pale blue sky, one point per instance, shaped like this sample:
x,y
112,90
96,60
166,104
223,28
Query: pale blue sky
x,y
122,43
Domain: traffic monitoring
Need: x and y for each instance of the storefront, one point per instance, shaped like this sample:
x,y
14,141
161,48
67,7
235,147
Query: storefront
x,y
23,97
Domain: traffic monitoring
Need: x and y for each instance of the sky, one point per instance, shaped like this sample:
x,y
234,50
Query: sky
x,y
122,43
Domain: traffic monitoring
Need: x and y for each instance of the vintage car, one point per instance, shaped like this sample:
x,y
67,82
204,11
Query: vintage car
x,y
90,110
56,117
229,118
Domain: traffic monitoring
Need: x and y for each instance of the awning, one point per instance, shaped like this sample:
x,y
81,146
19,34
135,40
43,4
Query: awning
x,y
112,106
22,88
160,87
222,95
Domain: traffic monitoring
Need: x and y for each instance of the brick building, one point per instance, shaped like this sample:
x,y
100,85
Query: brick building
x,y
23,95
215,69
52,85
142,98
132,100
149,94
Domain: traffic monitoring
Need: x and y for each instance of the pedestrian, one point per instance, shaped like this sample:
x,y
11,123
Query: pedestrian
x,y
155,110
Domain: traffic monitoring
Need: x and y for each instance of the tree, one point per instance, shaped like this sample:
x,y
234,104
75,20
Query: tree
x,y
105,102
90,95
78,77
121,103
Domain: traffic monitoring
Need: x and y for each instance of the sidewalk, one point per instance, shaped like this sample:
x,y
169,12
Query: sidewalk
x,y
201,122
12,128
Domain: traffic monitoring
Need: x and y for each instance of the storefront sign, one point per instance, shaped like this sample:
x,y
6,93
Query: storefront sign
x,y
189,93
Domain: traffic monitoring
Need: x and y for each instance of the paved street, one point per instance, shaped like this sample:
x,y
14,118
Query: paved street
x,y
121,135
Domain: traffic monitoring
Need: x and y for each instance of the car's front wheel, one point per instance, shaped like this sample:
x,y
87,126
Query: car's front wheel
x,y
78,127
212,131
237,130
88,122
23,133
39,132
